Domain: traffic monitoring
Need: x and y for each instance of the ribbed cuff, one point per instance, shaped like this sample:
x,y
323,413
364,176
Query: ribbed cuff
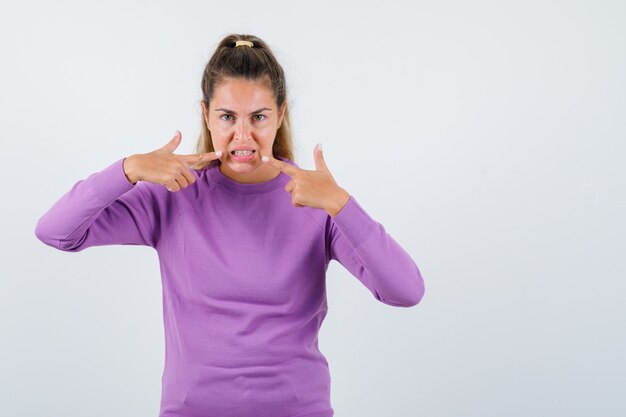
x,y
112,182
354,223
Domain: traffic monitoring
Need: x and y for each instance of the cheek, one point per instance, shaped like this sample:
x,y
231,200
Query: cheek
x,y
260,133
228,129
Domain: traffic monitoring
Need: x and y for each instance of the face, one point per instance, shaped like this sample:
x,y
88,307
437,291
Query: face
x,y
243,115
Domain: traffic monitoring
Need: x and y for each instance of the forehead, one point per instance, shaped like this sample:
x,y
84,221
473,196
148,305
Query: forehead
x,y
242,94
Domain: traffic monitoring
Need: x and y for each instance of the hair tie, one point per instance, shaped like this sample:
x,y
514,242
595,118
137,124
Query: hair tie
x,y
246,43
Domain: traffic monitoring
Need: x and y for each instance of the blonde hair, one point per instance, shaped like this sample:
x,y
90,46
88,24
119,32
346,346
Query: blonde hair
x,y
252,63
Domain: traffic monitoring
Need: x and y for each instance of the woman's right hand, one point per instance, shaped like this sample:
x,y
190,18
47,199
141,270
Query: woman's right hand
x,y
162,166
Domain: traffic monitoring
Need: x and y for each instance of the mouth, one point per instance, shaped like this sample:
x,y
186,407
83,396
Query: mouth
x,y
243,156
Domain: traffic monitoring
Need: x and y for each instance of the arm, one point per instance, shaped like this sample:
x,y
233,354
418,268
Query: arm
x,y
365,249
103,209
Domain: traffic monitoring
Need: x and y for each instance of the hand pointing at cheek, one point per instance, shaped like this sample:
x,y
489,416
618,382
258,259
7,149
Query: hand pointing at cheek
x,y
315,188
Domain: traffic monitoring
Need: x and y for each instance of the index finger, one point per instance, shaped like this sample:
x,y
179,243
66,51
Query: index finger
x,y
282,165
197,158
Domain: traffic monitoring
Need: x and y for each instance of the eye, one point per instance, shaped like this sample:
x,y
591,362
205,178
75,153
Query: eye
x,y
226,115
260,115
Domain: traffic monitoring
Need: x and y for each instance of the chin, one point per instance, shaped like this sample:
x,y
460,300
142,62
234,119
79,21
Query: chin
x,y
243,167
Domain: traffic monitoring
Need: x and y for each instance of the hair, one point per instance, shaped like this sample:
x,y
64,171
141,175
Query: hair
x,y
256,63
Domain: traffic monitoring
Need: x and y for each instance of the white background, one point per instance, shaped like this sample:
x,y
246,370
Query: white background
x,y
488,137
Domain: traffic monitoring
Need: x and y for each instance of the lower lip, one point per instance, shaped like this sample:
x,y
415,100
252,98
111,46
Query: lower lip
x,y
243,158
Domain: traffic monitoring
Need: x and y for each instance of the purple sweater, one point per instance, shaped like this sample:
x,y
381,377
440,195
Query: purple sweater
x,y
243,273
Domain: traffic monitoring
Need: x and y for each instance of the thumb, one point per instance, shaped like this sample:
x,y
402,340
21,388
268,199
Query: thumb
x,y
173,143
320,164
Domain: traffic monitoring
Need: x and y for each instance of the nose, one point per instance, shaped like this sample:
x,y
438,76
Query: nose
x,y
243,131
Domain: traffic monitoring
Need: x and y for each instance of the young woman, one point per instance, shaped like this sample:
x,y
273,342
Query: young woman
x,y
244,237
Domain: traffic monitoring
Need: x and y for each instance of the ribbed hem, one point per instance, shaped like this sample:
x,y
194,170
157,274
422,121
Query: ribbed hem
x,y
324,413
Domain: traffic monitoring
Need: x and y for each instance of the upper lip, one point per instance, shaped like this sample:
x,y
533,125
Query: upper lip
x,y
243,149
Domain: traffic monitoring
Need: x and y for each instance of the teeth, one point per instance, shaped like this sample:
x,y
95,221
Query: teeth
x,y
242,153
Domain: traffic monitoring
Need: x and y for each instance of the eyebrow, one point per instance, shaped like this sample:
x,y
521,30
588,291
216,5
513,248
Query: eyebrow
x,y
254,112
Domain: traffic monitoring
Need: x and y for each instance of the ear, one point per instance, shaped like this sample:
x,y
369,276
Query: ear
x,y
281,113
205,113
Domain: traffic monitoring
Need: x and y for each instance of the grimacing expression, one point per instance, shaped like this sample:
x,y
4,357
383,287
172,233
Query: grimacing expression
x,y
243,114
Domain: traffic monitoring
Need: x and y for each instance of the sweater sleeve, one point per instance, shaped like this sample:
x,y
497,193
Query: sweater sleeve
x,y
368,252
103,209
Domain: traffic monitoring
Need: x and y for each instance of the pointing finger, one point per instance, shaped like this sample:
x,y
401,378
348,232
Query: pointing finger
x,y
198,158
282,165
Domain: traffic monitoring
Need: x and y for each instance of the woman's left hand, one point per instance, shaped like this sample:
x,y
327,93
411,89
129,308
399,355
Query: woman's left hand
x,y
315,188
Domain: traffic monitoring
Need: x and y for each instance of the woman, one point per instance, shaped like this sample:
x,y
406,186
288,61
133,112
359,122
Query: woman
x,y
244,237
